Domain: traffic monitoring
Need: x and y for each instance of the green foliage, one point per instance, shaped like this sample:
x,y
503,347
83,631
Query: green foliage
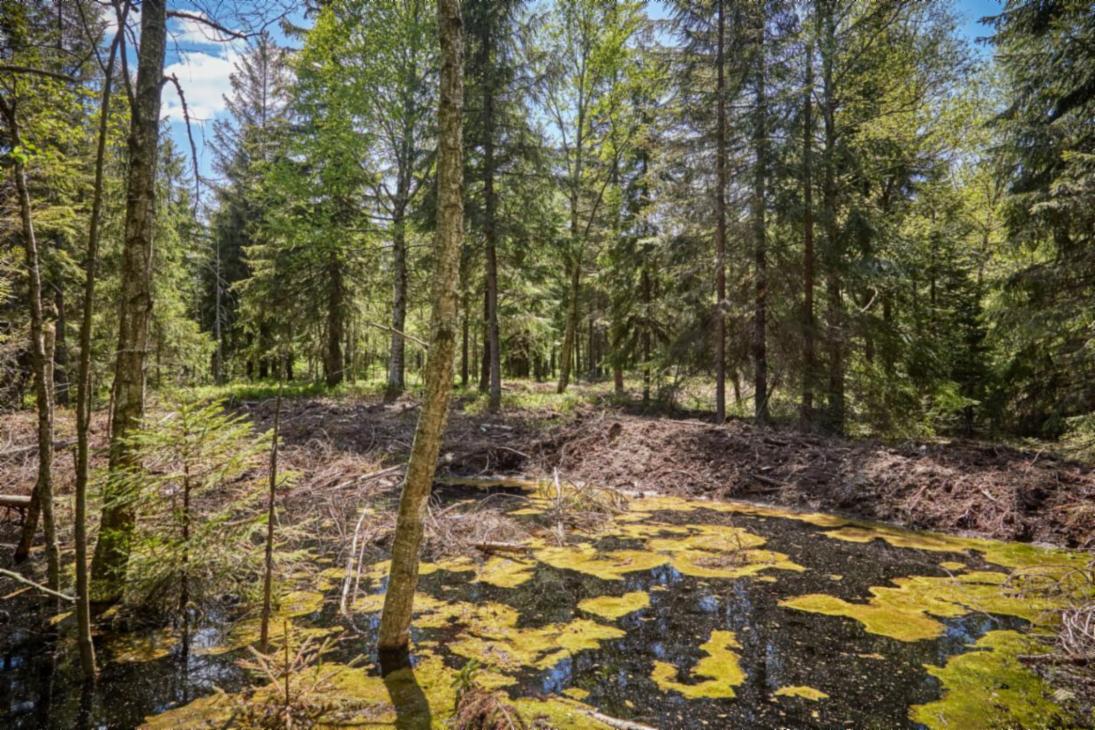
x,y
197,486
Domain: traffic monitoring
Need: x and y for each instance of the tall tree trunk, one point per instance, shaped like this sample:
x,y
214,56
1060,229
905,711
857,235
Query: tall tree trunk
x,y
335,323
490,207
760,253
484,361
116,527
809,357
83,376
403,579
397,353
60,350
833,255
720,217
464,353
41,351
568,354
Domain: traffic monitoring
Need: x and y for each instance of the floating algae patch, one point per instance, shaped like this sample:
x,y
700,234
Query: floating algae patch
x,y
803,691
505,572
603,564
1013,555
911,610
990,687
673,614
720,670
614,607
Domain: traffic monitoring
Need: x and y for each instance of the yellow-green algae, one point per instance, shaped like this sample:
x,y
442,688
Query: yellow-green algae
x,y
905,612
370,701
801,690
505,572
721,670
988,687
1014,555
613,607
681,504
699,551
144,647
489,632
293,605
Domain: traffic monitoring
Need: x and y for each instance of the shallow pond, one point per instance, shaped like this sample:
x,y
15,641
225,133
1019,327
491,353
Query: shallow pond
x,y
675,614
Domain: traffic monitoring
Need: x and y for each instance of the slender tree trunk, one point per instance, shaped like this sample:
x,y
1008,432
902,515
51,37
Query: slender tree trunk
x,y
116,526
760,252
490,206
464,354
809,356
271,519
41,351
397,353
336,311
720,217
83,376
403,579
568,355
60,350
485,360
833,256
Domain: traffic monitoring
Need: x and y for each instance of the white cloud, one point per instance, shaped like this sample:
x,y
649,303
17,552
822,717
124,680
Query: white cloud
x,y
204,80
194,32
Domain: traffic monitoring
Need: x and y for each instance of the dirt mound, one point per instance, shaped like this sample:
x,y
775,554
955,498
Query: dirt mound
x,y
957,485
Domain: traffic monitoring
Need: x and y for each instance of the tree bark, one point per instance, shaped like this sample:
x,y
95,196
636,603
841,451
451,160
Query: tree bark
x,y
41,351
83,373
833,255
397,353
760,253
490,234
720,218
809,357
116,527
403,579
336,309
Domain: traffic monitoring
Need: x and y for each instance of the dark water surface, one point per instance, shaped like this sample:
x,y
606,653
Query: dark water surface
x,y
870,680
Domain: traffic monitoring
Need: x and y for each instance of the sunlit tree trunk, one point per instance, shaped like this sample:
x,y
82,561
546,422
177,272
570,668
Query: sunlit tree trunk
x,y
116,527
41,351
403,579
336,306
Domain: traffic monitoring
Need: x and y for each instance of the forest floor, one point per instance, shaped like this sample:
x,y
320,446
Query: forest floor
x,y
349,449
589,437
953,485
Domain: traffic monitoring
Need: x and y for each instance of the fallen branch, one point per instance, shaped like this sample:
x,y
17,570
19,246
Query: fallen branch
x,y
614,722
491,547
20,579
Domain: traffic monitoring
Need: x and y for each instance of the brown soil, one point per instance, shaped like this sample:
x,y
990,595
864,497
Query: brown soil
x,y
957,485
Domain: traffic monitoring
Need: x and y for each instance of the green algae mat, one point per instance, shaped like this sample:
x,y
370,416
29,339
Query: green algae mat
x,y
674,614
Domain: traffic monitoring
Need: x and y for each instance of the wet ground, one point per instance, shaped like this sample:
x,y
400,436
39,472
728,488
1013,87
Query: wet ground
x,y
676,614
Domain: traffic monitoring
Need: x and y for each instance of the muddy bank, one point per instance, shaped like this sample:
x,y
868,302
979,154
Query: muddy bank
x,y
964,486
989,489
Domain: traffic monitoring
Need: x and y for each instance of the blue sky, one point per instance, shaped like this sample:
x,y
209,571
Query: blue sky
x,y
203,63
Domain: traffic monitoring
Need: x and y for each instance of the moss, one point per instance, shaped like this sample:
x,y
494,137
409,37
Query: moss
x,y
720,668
613,607
210,711
680,504
952,566
989,687
806,693
1006,554
905,612
606,565
576,693
145,647
505,572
